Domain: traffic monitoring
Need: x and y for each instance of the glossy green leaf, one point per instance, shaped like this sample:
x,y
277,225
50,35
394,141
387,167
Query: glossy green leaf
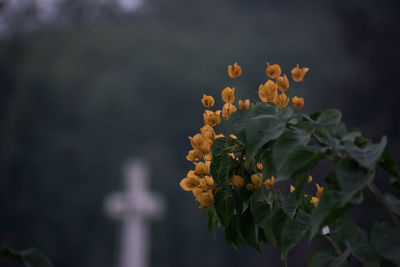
x,y
224,205
291,155
293,232
351,177
289,206
368,156
389,164
260,208
329,117
262,129
385,240
326,258
213,220
29,257
393,203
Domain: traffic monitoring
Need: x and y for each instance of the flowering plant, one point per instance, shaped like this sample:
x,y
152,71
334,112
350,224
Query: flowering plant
x,y
239,177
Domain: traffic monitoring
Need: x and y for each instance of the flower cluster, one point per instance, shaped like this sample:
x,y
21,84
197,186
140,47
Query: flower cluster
x,y
199,181
318,194
269,91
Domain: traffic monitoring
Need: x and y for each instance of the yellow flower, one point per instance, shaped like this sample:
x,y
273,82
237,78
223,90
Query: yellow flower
x,y
202,169
255,182
194,155
228,95
267,91
206,199
259,165
208,157
273,71
209,180
201,143
207,101
281,100
219,136
208,132
298,102
292,188
314,200
237,181
309,179
320,190
212,118
269,183
298,74
244,104
190,182
234,71
282,83
233,136
227,110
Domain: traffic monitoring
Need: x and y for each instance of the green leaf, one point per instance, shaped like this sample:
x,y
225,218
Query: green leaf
x,y
289,206
231,232
325,258
291,154
224,205
389,164
29,257
351,177
330,207
259,207
385,240
213,220
222,163
368,156
249,230
262,129
393,203
35,258
293,232
277,222
347,234
329,117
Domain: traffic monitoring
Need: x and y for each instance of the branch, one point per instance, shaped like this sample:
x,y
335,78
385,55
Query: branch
x,y
378,195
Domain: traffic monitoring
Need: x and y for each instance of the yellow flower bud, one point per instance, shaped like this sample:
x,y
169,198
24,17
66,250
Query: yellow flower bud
x,y
298,102
246,165
309,179
234,71
281,100
233,136
228,95
282,83
219,136
201,143
207,101
237,181
259,166
208,132
314,200
320,190
298,74
244,104
227,110
273,71
212,118
202,169
292,188
190,182
256,180
209,180
269,183
194,155
267,91
251,187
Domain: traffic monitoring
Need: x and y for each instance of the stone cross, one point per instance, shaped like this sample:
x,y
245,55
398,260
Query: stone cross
x,y
134,207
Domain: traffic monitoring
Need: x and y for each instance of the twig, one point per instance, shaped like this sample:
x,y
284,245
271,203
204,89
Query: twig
x,y
335,246
381,201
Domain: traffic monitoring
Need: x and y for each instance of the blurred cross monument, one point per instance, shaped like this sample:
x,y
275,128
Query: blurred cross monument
x,y
134,207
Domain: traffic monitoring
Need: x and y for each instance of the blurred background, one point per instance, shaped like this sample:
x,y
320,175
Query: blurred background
x,y
84,85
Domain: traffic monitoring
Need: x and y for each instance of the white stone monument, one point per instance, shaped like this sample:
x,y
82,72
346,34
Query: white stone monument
x,y
134,207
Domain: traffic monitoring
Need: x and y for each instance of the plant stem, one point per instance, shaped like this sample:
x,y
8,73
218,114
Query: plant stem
x,y
335,246
381,201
